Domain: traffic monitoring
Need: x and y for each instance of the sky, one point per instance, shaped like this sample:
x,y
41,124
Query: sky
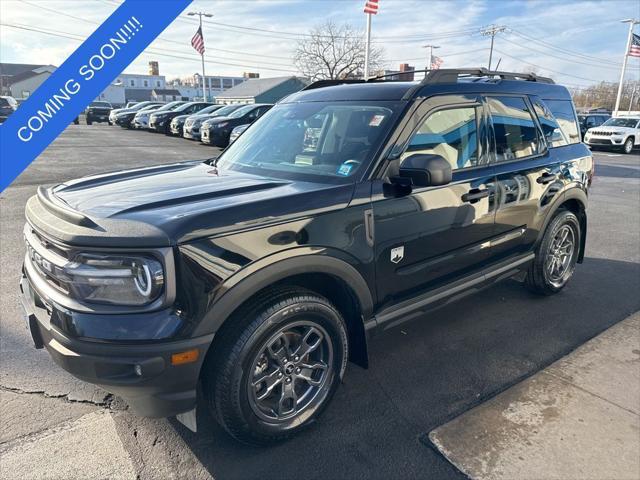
x,y
576,42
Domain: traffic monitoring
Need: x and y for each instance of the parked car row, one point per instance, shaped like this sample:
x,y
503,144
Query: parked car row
x,y
212,124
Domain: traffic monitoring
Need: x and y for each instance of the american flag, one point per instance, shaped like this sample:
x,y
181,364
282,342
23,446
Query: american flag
x,y
371,7
197,41
634,50
436,62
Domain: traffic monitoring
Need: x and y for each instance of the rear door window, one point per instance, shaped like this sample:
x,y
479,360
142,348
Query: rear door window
x,y
515,131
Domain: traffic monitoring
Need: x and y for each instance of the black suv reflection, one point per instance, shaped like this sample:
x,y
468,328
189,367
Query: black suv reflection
x,y
346,209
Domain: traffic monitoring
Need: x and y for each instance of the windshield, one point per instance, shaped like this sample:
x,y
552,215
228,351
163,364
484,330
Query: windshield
x,y
149,108
141,105
100,104
315,141
225,111
184,107
241,111
169,106
209,109
621,122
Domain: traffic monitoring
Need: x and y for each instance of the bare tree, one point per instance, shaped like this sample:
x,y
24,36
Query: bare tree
x,y
333,51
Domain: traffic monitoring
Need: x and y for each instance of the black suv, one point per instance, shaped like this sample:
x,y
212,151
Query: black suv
x,y
98,112
591,120
347,209
217,131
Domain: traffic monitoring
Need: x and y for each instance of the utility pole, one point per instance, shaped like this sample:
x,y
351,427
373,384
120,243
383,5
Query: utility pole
x,y
430,56
633,94
492,31
632,22
200,15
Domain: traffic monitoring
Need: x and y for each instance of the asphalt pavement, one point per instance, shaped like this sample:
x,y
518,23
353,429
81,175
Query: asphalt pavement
x,y
422,374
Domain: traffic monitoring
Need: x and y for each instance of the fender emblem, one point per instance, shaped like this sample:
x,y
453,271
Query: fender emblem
x,y
397,254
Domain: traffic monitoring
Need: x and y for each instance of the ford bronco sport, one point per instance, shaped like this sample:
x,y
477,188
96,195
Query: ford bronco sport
x,y
349,207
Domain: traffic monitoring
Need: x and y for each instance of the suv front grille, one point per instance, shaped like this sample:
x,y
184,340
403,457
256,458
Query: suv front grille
x,y
48,259
601,134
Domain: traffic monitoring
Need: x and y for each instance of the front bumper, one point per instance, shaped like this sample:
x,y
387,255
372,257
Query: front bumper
x,y
140,372
158,125
124,122
141,123
176,129
192,133
604,141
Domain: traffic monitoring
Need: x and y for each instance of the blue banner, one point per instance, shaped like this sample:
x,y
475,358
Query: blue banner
x,y
80,79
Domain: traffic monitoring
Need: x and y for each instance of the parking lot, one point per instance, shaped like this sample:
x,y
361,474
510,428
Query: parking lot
x,y
421,374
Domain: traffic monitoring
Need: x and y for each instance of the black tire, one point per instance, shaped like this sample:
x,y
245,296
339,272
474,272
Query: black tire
x,y
89,121
238,363
627,147
552,268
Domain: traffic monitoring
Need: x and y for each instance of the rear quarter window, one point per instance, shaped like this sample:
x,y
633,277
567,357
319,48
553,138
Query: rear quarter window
x,y
552,132
565,114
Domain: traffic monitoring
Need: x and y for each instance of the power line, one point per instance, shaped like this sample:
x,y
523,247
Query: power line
x,y
545,68
235,52
564,58
148,51
567,51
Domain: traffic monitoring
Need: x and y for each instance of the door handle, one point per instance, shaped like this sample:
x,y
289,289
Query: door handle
x,y
475,194
546,178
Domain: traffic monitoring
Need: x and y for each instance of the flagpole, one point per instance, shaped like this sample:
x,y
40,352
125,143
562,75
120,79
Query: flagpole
x,y
367,47
200,14
204,92
631,22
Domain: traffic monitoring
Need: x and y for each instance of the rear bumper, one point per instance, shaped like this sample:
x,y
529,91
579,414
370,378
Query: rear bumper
x,y
140,372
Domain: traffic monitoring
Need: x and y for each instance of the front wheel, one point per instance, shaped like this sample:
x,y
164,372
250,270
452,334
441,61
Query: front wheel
x,y
556,255
276,366
89,121
628,145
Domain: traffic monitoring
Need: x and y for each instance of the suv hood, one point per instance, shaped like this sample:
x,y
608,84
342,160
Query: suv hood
x,y
171,204
611,129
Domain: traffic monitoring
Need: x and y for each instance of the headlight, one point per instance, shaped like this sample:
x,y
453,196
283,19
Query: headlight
x,y
196,123
221,125
115,279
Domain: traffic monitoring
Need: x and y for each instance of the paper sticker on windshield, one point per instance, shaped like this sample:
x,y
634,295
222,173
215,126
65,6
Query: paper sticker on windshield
x,y
345,170
376,120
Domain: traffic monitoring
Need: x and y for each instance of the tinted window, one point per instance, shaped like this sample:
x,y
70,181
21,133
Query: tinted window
x,y
452,134
591,122
550,128
515,131
565,115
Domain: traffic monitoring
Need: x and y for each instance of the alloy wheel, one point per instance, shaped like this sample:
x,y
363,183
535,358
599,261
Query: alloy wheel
x,y
559,261
290,372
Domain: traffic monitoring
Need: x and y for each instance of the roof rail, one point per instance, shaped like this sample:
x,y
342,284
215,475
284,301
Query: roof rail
x,y
329,83
444,75
451,75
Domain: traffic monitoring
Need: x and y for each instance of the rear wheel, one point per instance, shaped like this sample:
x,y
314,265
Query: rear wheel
x,y
276,366
556,256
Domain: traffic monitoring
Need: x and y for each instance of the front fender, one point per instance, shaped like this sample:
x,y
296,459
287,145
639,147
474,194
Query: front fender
x,y
258,275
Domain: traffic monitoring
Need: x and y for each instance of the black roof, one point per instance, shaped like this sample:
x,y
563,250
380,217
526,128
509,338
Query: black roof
x,y
446,81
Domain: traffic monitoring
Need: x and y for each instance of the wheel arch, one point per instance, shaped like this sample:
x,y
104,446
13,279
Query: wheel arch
x,y
574,200
329,276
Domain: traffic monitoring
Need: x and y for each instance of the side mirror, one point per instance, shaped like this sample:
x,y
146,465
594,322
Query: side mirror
x,y
426,170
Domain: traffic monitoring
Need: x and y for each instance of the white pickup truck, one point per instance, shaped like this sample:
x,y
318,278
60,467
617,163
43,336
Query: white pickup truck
x,y
620,133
